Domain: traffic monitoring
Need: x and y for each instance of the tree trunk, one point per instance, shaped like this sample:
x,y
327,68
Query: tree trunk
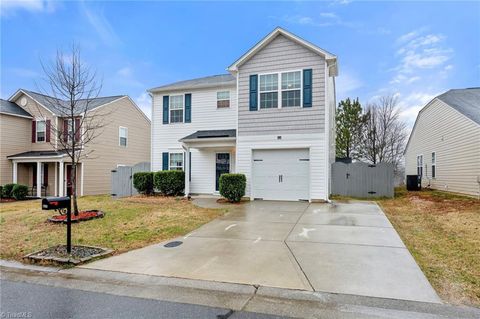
x,y
74,189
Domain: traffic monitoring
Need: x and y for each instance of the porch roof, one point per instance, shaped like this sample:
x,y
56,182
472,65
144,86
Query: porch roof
x,y
211,138
39,154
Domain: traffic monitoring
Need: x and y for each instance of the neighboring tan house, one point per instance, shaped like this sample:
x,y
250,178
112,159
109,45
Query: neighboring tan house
x,y
271,118
444,146
30,153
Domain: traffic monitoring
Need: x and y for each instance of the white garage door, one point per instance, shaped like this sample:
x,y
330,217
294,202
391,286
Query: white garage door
x,y
281,174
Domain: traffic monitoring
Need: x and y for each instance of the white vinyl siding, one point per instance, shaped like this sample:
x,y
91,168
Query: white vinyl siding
x,y
455,140
205,116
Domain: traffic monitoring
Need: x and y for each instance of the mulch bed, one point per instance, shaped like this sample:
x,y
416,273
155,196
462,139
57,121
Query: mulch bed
x,y
7,200
82,216
58,254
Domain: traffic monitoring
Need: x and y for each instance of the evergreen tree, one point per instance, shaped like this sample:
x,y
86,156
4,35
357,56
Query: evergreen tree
x,y
349,124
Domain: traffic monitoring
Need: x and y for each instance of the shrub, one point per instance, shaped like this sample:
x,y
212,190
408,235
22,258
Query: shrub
x,y
7,190
143,182
1,192
20,192
170,183
232,186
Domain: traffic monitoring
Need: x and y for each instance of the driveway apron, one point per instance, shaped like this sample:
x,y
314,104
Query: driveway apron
x,y
348,248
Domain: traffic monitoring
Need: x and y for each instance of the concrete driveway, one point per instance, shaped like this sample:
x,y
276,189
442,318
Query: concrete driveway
x,y
348,248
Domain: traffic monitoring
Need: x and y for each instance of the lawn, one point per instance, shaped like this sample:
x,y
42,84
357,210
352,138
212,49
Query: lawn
x,y
129,223
442,231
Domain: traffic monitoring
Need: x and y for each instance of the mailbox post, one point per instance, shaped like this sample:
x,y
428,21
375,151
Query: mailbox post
x,y
59,203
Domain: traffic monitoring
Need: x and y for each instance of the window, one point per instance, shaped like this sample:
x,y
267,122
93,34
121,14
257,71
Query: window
x,y
71,129
176,109
176,162
41,131
123,134
268,91
420,165
434,165
223,99
291,84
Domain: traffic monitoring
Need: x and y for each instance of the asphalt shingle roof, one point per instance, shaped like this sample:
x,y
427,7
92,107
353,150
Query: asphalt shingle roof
x,y
465,101
199,83
211,134
39,154
55,105
12,108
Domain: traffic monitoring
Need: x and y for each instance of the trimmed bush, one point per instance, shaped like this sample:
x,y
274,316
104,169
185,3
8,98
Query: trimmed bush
x,y
143,182
20,192
232,186
170,183
7,190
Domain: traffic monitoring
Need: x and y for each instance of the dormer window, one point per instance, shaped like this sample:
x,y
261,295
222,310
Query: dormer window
x,y
41,131
223,99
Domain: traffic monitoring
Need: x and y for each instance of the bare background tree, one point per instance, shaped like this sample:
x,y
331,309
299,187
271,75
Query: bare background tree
x,y
384,135
73,87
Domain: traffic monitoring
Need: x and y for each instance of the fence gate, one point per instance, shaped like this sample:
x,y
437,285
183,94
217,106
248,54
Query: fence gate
x,y
122,179
362,180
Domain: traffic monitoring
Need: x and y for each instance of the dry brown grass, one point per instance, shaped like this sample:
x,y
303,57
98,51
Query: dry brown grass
x,y
442,231
129,223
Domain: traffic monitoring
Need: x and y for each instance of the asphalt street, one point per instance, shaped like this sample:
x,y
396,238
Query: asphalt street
x,y
26,300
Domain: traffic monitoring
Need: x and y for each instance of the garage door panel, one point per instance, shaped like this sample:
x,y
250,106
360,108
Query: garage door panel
x,y
281,174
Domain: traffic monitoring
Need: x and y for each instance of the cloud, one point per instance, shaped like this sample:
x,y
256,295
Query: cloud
x,y
322,19
23,72
346,83
10,7
144,102
125,72
340,2
411,103
101,25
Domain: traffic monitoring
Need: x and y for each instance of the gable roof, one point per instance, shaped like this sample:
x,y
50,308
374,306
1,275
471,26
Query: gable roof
x,y
465,101
329,57
199,83
50,103
11,108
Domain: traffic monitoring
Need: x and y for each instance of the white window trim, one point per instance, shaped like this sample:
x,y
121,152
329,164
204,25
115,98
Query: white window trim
x,y
421,166
120,136
434,164
279,89
170,109
69,138
44,132
183,160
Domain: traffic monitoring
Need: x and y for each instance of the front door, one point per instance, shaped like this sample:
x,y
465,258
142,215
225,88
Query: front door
x,y
222,166
69,179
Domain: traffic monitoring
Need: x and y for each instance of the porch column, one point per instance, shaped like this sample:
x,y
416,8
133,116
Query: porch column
x,y
61,183
39,179
187,172
15,172
56,179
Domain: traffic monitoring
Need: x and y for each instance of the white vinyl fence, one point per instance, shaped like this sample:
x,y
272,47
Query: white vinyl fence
x,y
122,179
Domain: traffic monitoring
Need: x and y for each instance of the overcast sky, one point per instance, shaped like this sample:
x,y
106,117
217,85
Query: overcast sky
x,y
413,49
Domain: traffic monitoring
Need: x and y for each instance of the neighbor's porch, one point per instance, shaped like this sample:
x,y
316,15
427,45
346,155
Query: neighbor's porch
x,y
210,154
45,173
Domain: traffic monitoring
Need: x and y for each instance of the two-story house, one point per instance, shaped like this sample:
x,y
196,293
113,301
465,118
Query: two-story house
x,y
31,154
271,118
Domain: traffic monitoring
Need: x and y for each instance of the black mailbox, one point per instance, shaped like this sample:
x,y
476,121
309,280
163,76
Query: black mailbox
x,y
55,203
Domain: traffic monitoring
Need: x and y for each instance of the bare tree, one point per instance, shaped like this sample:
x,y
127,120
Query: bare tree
x,y
71,89
384,134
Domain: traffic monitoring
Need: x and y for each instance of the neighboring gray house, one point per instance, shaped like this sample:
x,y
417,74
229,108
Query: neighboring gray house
x,y
271,118
444,146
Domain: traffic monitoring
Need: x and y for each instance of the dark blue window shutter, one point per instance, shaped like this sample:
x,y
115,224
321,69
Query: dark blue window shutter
x,y
253,92
307,88
165,161
165,109
188,108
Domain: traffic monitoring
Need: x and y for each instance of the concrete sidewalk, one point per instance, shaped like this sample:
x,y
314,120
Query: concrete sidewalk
x,y
347,248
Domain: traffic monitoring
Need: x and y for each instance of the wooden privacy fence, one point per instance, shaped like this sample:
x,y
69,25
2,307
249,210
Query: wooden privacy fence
x,y
362,180
122,179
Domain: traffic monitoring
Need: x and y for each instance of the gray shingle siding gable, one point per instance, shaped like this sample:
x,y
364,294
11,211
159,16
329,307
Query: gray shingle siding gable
x,y
282,55
12,108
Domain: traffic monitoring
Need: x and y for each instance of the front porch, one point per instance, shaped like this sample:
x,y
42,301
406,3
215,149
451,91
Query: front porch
x,y
212,153
46,173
